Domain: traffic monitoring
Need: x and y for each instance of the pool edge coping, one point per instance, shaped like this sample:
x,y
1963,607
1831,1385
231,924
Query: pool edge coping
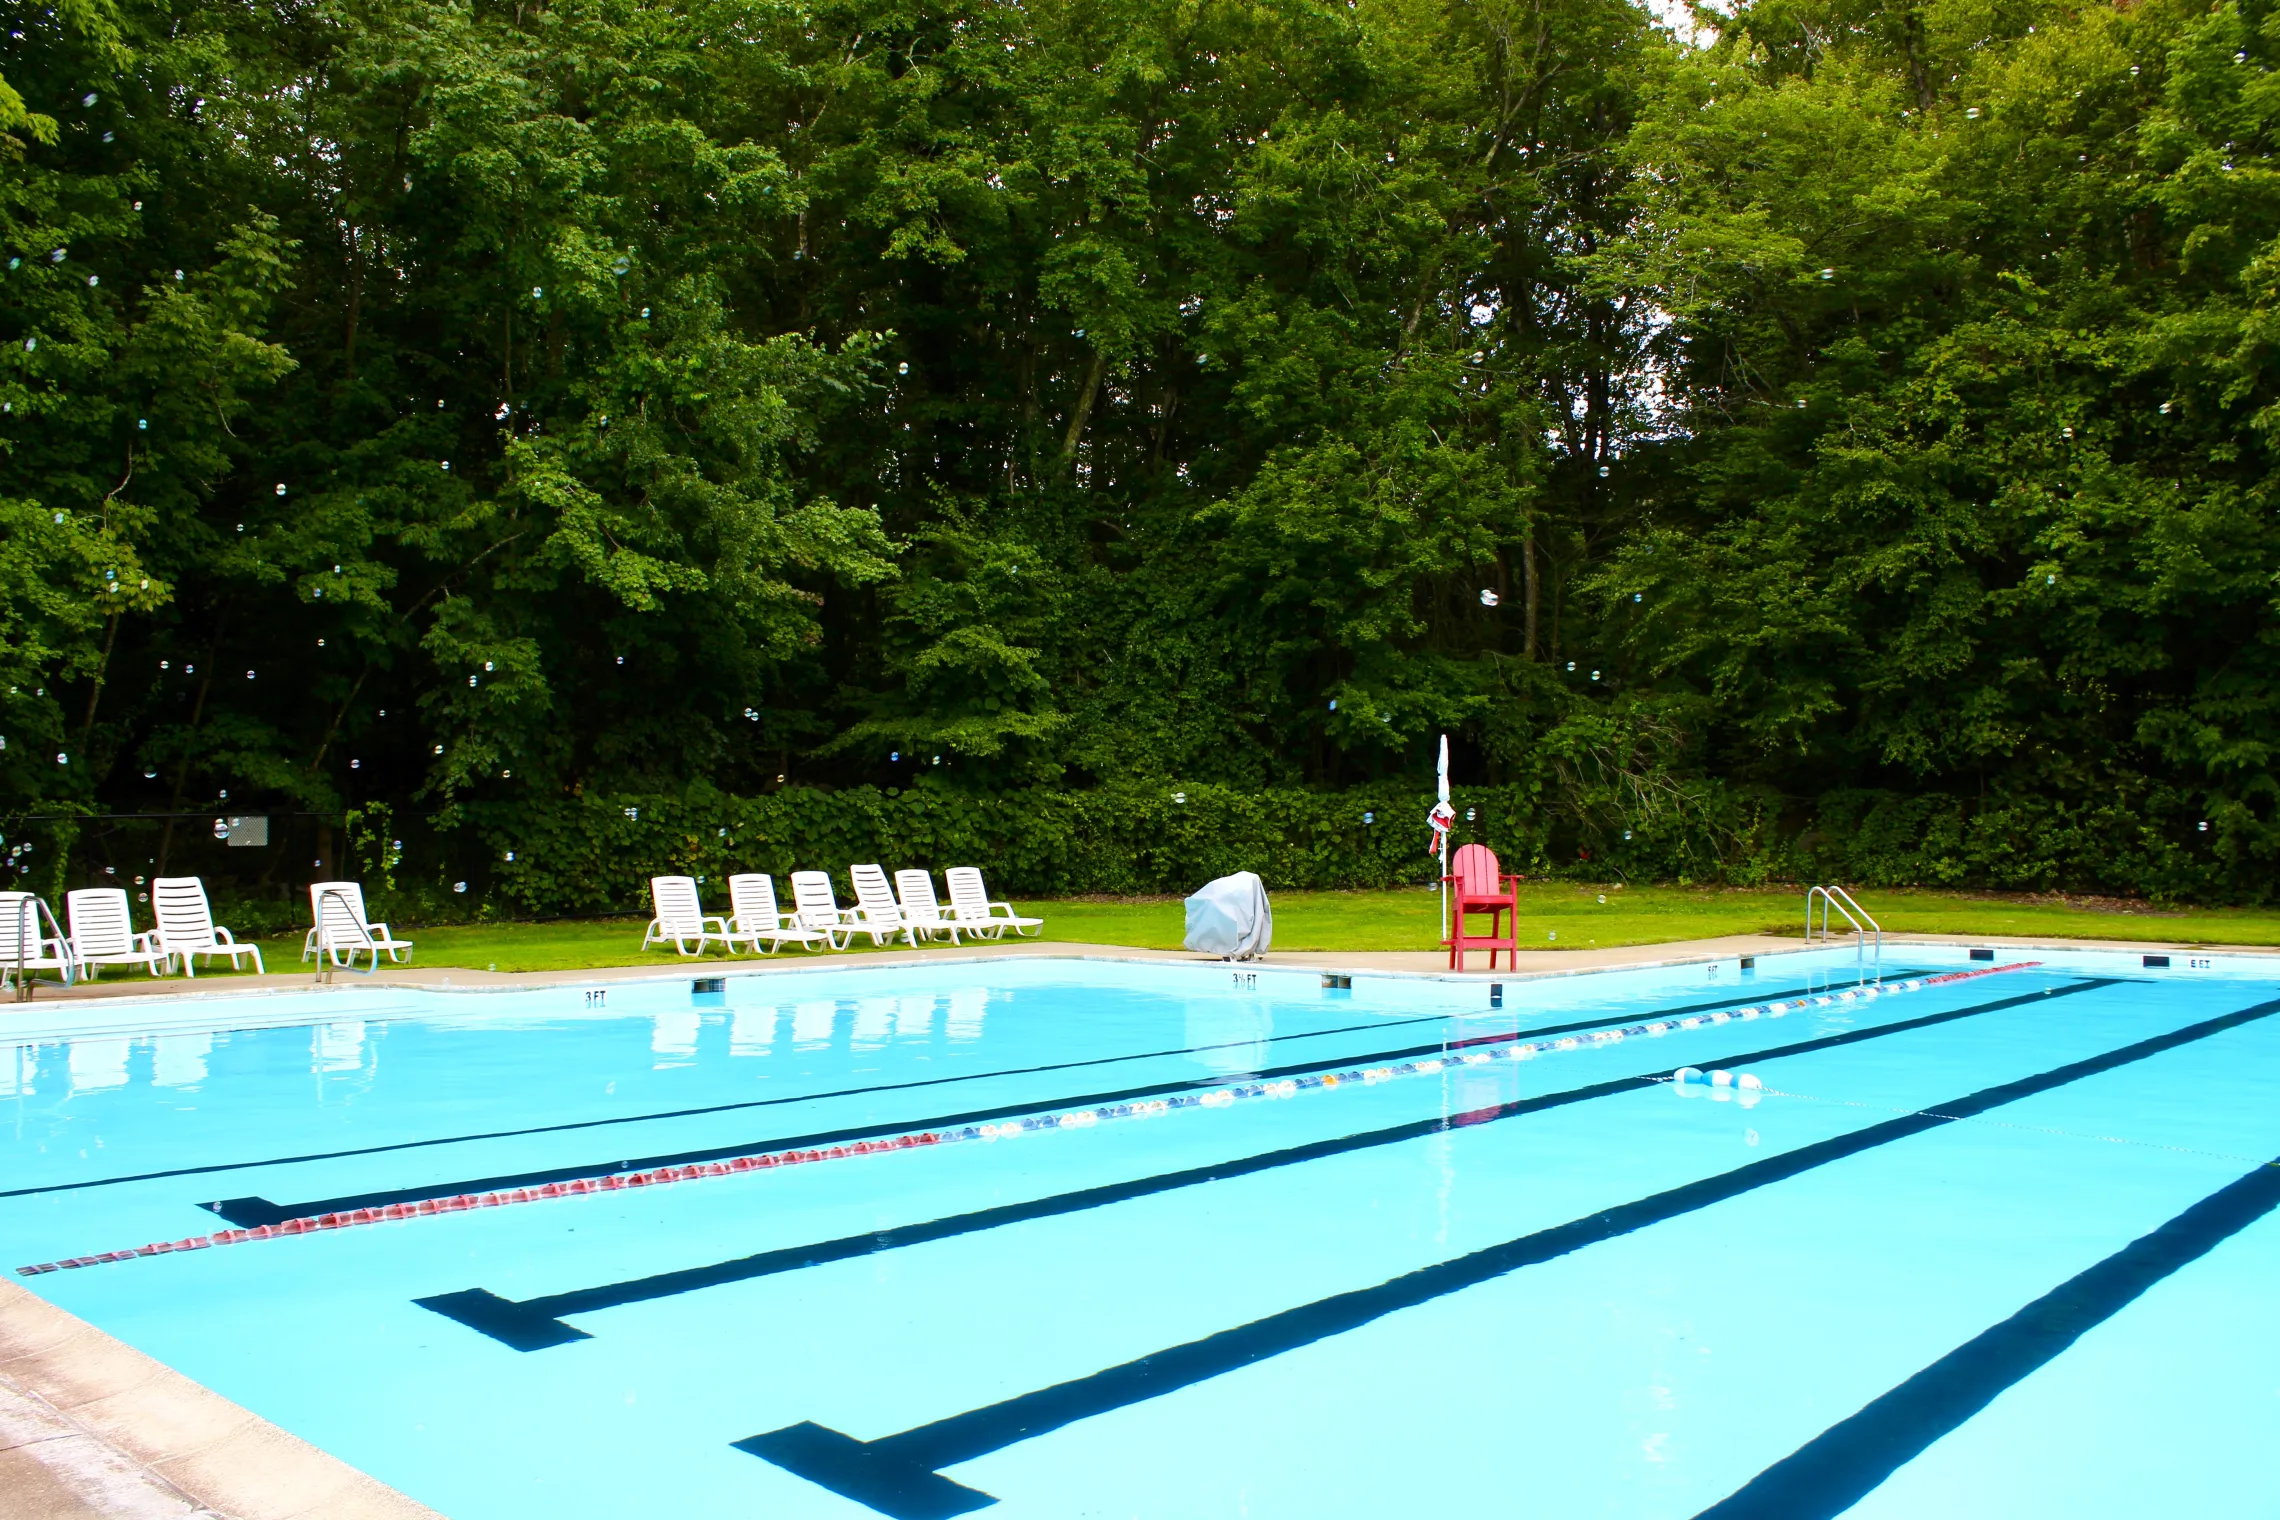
x,y
110,1013
107,1012
181,1438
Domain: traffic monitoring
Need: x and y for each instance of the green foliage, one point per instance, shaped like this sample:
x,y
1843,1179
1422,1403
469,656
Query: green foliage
x,y
1971,502
597,854
1025,412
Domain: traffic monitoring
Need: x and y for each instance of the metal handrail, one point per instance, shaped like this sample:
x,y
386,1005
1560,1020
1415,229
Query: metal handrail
x,y
66,953
328,960
1863,925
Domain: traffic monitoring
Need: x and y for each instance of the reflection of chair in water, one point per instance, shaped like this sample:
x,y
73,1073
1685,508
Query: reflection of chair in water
x,y
1230,1035
1476,885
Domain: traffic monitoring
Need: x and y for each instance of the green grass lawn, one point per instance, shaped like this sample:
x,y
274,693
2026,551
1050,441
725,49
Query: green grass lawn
x,y
1552,915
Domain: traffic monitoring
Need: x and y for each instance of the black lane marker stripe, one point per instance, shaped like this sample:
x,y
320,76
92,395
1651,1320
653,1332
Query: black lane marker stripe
x,y
1838,1468
249,1212
898,1475
534,1324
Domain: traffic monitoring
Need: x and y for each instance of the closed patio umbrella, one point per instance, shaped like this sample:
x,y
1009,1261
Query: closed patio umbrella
x,y
1440,818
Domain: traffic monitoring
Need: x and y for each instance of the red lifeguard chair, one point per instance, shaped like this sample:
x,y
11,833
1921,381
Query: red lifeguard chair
x,y
1477,886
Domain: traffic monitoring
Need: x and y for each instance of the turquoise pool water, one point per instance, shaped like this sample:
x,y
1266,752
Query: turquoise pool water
x,y
1168,1240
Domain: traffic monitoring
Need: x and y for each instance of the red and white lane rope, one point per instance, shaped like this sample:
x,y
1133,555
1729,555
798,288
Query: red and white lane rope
x,y
1472,1053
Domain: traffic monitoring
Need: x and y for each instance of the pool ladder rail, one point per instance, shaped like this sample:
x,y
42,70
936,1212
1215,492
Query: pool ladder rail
x,y
35,951
328,954
1865,929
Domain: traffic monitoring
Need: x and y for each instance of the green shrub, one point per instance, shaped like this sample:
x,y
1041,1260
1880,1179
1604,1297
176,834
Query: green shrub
x,y
594,854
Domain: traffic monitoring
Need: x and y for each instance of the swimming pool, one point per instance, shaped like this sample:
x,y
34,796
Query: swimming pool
x,y
1059,1238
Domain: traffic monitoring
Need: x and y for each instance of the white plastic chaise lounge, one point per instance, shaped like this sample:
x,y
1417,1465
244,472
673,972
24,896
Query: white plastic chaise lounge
x,y
754,917
921,909
971,907
814,908
103,931
876,912
680,917
341,930
20,916
186,925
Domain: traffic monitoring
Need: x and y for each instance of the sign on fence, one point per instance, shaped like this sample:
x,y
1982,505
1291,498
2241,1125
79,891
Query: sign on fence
x,y
247,832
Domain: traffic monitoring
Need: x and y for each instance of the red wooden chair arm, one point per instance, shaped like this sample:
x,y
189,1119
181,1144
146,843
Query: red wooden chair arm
x,y
1507,886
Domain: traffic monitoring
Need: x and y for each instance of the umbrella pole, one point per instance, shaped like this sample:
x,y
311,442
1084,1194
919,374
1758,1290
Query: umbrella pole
x,y
1444,886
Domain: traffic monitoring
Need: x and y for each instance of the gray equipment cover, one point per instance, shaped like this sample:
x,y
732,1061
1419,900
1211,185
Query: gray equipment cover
x,y
1230,918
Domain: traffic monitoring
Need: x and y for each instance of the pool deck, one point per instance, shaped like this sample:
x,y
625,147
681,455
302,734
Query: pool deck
x,y
660,966
91,1427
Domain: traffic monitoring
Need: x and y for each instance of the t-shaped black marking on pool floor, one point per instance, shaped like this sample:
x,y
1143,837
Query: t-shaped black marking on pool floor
x,y
246,1213
534,1324
1841,1466
899,1475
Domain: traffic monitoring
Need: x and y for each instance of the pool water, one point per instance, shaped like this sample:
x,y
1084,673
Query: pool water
x,y
1059,1238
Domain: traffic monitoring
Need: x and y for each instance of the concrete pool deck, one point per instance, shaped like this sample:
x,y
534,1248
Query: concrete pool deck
x,y
91,1427
434,978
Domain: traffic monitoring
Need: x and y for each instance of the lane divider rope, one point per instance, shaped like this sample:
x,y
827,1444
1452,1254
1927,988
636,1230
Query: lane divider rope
x,y
1218,1097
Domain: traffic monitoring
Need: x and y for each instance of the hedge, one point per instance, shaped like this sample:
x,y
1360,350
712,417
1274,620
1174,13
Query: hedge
x,y
596,854
2158,844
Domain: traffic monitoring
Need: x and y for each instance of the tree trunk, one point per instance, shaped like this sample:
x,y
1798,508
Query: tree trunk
x,y
1912,37
182,771
1083,413
95,693
1530,589
355,309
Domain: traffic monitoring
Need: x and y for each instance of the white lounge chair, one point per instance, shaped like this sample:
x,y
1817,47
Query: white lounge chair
x,y
814,908
186,925
21,915
680,917
341,928
921,909
103,931
754,917
876,912
971,907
